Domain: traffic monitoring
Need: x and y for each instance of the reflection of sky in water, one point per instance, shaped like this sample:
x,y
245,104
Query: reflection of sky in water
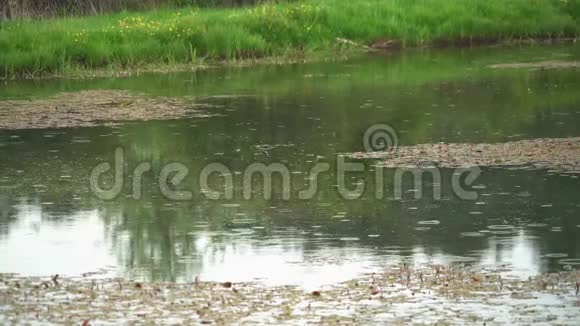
x,y
37,246
519,251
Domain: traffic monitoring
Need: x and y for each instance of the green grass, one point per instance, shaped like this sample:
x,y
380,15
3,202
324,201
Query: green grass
x,y
191,35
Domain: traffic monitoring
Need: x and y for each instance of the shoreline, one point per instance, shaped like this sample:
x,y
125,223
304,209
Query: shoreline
x,y
399,294
356,49
161,68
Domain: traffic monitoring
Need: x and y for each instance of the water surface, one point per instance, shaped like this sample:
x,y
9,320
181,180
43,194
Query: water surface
x,y
298,115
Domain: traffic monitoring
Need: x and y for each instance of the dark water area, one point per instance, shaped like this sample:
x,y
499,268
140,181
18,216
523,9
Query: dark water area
x,y
298,116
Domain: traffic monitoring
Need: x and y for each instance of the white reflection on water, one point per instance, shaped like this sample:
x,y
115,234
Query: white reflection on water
x,y
81,243
520,251
37,246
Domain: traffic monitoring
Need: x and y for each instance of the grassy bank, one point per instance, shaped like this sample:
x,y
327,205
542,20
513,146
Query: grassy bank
x,y
191,35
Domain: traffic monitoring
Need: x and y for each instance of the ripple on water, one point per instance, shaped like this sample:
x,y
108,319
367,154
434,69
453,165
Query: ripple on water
x,y
556,255
570,261
501,227
230,205
502,232
81,141
422,228
472,234
202,225
349,239
430,222
537,225
244,221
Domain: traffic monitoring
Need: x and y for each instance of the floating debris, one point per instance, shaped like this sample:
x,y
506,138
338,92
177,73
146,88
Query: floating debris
x,y
400,294
558,154
93,108
538,65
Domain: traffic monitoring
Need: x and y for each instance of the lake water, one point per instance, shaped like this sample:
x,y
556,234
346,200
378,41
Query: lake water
x,y
525,221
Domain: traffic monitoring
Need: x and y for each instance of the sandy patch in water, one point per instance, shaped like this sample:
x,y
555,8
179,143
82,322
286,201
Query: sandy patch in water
x,y
93,108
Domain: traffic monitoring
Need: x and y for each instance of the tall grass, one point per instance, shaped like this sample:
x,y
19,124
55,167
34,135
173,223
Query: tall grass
x,y
14,9
170,36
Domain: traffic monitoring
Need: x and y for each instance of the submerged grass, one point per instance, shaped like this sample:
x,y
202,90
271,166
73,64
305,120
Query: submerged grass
x,y
192,35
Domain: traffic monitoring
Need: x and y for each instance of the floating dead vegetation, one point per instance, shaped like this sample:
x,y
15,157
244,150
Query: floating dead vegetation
x,y
93,108
538,65
555,154
400,294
